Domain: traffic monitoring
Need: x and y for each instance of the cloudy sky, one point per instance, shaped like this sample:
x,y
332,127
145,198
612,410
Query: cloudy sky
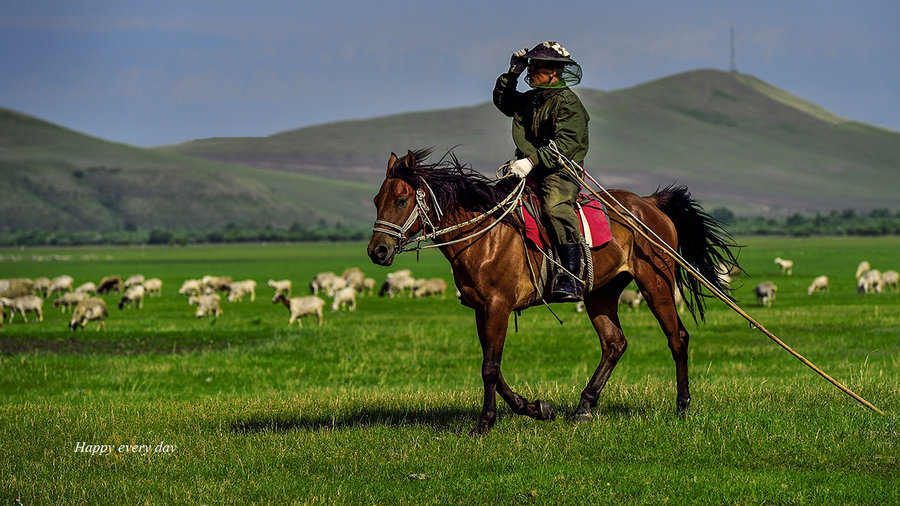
x,y
168,71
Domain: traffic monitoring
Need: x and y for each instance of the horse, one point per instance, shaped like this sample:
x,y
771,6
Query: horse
x,y
494,269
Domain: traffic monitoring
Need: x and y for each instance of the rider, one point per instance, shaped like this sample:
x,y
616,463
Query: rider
x,y
550,111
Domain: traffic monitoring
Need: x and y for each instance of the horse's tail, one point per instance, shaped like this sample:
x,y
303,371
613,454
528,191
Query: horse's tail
x,y
702,242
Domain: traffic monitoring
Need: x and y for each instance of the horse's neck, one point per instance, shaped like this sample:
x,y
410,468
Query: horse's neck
x,y
472,247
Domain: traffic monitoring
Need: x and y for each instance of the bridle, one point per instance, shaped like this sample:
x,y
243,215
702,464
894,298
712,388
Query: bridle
x,y
420,212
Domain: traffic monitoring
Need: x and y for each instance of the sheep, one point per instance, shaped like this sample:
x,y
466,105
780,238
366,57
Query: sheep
x,y
60,284
135,279
133,295
862,268
397,282
869,282
369,286
68,300
630,298
11,288
679,300
282,286
109,284
91,309
40,286
332,285
191,287
890,280
24,304
319,280
206,304
786,265
819,284
210,284
344,297
765,293
153,286
87,288
434,286
301,306
238,289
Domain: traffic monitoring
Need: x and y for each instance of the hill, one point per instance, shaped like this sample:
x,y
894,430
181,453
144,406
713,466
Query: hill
x,y
58,179
735,140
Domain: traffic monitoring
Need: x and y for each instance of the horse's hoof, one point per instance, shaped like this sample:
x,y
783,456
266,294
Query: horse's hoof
x,y
543,410
479,430
582,417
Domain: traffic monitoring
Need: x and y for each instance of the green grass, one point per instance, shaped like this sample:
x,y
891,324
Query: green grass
x,y
375,406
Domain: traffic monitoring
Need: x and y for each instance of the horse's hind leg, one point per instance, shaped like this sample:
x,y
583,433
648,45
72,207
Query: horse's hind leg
x,y
602,307
660,298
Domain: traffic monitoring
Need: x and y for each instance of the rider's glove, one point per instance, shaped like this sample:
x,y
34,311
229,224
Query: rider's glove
x,y
517,62
521,167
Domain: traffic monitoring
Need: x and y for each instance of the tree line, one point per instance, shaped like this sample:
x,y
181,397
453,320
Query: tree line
x,y
876,222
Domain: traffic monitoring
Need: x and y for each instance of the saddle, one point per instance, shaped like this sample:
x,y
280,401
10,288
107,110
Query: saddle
x,y
594,228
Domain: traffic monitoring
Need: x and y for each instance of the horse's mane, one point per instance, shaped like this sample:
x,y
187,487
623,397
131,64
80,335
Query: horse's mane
x,y
453,184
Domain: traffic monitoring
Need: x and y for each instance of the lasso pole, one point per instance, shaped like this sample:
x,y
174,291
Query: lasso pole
x,y
639,227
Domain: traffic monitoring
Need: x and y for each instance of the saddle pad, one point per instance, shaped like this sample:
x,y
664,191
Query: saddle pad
x,y
591,216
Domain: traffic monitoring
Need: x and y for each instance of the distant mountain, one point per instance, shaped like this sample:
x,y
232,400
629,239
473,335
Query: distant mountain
x,y
735,140
57,179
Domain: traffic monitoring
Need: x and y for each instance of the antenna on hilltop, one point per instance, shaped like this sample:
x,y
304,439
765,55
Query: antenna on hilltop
x,y
734,69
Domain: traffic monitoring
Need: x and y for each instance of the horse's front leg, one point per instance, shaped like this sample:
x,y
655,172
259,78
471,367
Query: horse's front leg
x,y
492,326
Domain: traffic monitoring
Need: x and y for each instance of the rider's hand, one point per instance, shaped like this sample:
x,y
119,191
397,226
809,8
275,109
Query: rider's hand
x,y
521,167
517,62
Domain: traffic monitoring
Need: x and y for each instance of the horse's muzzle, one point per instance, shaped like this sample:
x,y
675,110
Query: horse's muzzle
x,y
381,253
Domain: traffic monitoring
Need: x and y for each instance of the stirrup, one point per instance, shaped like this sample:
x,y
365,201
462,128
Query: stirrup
x,y
565,289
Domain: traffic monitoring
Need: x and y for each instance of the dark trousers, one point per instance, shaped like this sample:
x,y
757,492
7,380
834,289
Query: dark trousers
x,y
558,195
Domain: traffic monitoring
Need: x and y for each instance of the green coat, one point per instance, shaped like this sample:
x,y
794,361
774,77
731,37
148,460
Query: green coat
x,y
539,116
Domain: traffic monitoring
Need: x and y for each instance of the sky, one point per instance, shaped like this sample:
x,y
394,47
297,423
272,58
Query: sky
x,y
164,72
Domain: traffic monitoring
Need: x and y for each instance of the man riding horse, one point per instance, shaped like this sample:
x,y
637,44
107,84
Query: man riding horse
x,y
549,111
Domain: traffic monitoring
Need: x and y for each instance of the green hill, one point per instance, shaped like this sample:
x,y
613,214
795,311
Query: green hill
x,y
735,140
57,179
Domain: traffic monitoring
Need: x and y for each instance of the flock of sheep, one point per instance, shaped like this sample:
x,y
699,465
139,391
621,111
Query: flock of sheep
x,y
868,280
23,296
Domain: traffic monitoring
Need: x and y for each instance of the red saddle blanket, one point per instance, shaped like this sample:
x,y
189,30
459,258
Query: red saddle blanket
x,y
591,216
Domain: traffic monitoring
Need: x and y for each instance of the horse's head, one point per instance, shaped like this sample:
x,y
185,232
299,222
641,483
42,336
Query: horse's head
x,y
397,213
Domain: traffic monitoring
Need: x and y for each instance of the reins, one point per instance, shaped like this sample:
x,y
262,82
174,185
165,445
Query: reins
x,y
642,229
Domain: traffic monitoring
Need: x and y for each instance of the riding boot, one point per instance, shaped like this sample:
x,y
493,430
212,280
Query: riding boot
x,y
566,287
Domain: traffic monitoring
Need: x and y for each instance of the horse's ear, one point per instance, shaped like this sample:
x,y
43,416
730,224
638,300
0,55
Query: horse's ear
x,y
391,161
410,159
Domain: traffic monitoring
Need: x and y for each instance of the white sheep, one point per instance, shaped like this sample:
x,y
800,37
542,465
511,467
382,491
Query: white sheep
x,y
60,284
765,293
10,288
786,265
210,284
281,286
890,280
369,286
87,288
191,287
300,307
819,284
319,280
631,298
428,287
238,289
136,279
24,304
88,310
209,303
354,278
397,282
133,295
869,282
345,297
70,299
153,286
862,268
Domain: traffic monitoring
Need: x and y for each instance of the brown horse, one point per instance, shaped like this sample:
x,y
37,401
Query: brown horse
x,y
494,271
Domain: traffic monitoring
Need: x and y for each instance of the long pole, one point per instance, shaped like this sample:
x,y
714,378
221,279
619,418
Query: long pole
x,y
639,227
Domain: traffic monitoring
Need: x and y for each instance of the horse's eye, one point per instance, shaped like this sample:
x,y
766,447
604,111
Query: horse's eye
x,y
402,202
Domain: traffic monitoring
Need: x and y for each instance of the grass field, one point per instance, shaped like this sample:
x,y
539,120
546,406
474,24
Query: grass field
x,y
375,406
